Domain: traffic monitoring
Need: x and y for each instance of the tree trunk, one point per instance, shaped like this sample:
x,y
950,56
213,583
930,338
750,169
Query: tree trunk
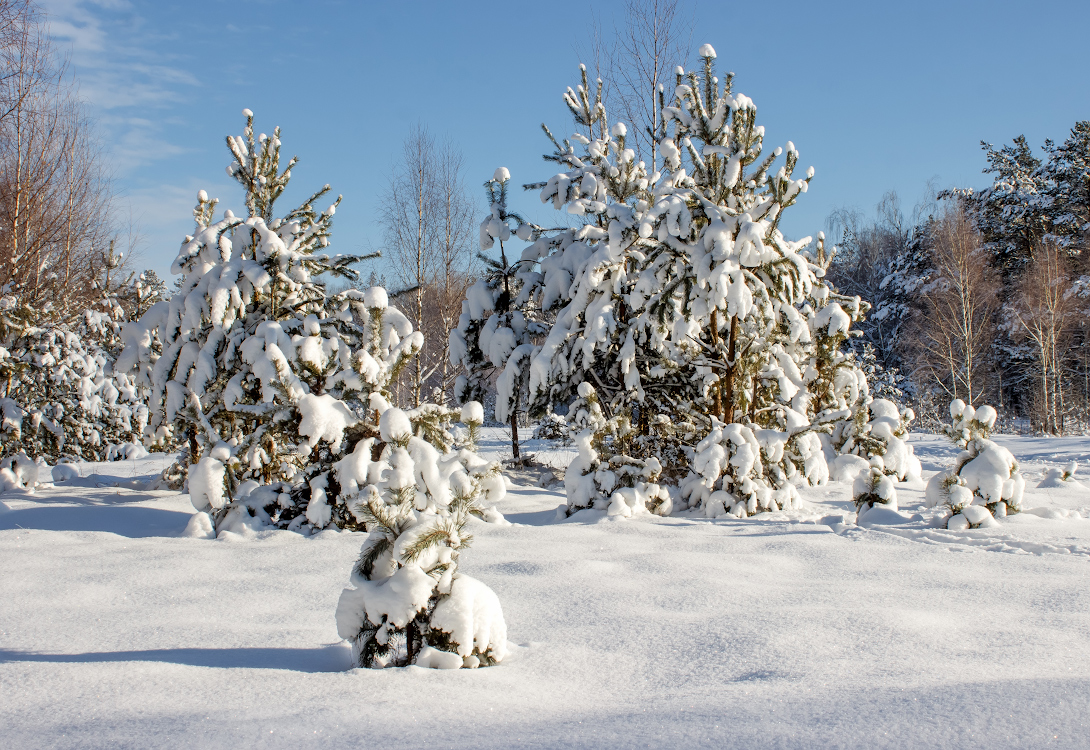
x,y
515,436
728,388
719,381
410,638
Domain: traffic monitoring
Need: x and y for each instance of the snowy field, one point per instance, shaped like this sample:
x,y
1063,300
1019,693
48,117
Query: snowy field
x,y
797,629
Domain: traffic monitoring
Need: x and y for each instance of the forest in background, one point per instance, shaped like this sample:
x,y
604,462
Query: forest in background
x,y
978,295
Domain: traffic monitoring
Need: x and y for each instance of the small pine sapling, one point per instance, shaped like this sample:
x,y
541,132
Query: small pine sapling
x,y
498,321
984,483
409,604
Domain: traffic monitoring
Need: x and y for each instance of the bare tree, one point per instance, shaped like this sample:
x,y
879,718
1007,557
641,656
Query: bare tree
x,y
429,225
410,226
955,323
55,195
654,38
1045,310
455,256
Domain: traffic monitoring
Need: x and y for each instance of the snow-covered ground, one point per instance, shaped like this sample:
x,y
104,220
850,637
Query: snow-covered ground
x,y
788,630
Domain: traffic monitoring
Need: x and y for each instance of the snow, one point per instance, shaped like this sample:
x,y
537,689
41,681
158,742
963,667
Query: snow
x,y
472,616
324,418
473,413
792,629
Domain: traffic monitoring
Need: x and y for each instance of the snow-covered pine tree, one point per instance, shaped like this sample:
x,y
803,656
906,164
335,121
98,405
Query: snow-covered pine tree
x,y
61,397
1012,213
251,364
681,306
409,603
874,487
1068,190
271,382
497,326
984,483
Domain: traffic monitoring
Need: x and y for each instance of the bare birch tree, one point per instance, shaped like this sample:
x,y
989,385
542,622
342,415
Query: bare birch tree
x,y
55,194
654,38
955,323
411,229
1045,309
456,258
429,225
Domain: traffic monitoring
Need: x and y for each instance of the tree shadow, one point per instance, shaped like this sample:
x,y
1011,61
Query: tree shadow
x,y
127,521
333,658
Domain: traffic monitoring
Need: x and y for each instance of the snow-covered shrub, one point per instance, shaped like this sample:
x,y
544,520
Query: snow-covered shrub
x,y
21,472
880,429
874,487
1057,477
713,343
62,395
473,418
621,485
984,482
409,603
553,427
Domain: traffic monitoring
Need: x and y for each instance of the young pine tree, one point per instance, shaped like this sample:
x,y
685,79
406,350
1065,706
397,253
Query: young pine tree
x,y
684,310
498,323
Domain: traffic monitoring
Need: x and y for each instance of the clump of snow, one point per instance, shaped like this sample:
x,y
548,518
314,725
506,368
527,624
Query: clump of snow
x,y
472,619
206,488
847,466
126,452
200,527
324,418
473,413
376,297
395,427
65,472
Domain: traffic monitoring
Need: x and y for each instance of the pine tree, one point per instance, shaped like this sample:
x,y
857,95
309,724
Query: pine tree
x,y
251,364
984,483
682,310
276,387
1011,213
1068,192
61,397
496,328
409,603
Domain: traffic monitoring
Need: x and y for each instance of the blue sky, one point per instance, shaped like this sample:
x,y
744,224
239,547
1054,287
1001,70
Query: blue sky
x,y
875,95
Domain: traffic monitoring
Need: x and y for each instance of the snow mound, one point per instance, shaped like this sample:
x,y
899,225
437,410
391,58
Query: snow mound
x,y
845,468
1056,477
882,515
65,472
200,527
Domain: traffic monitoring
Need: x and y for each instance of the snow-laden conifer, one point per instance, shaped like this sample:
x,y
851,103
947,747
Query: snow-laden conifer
x,y
275,386
984,483
709,340
409,604
61,395
496,328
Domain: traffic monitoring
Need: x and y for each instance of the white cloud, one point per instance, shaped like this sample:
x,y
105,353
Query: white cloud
x,y
124,74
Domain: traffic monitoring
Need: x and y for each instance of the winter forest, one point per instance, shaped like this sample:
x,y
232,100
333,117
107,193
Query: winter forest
x,y
604,454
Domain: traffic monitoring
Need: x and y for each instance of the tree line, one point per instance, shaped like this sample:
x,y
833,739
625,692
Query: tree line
x,y
982,295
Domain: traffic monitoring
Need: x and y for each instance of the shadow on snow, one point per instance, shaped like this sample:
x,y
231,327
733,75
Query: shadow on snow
x,y
333,658
128,521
